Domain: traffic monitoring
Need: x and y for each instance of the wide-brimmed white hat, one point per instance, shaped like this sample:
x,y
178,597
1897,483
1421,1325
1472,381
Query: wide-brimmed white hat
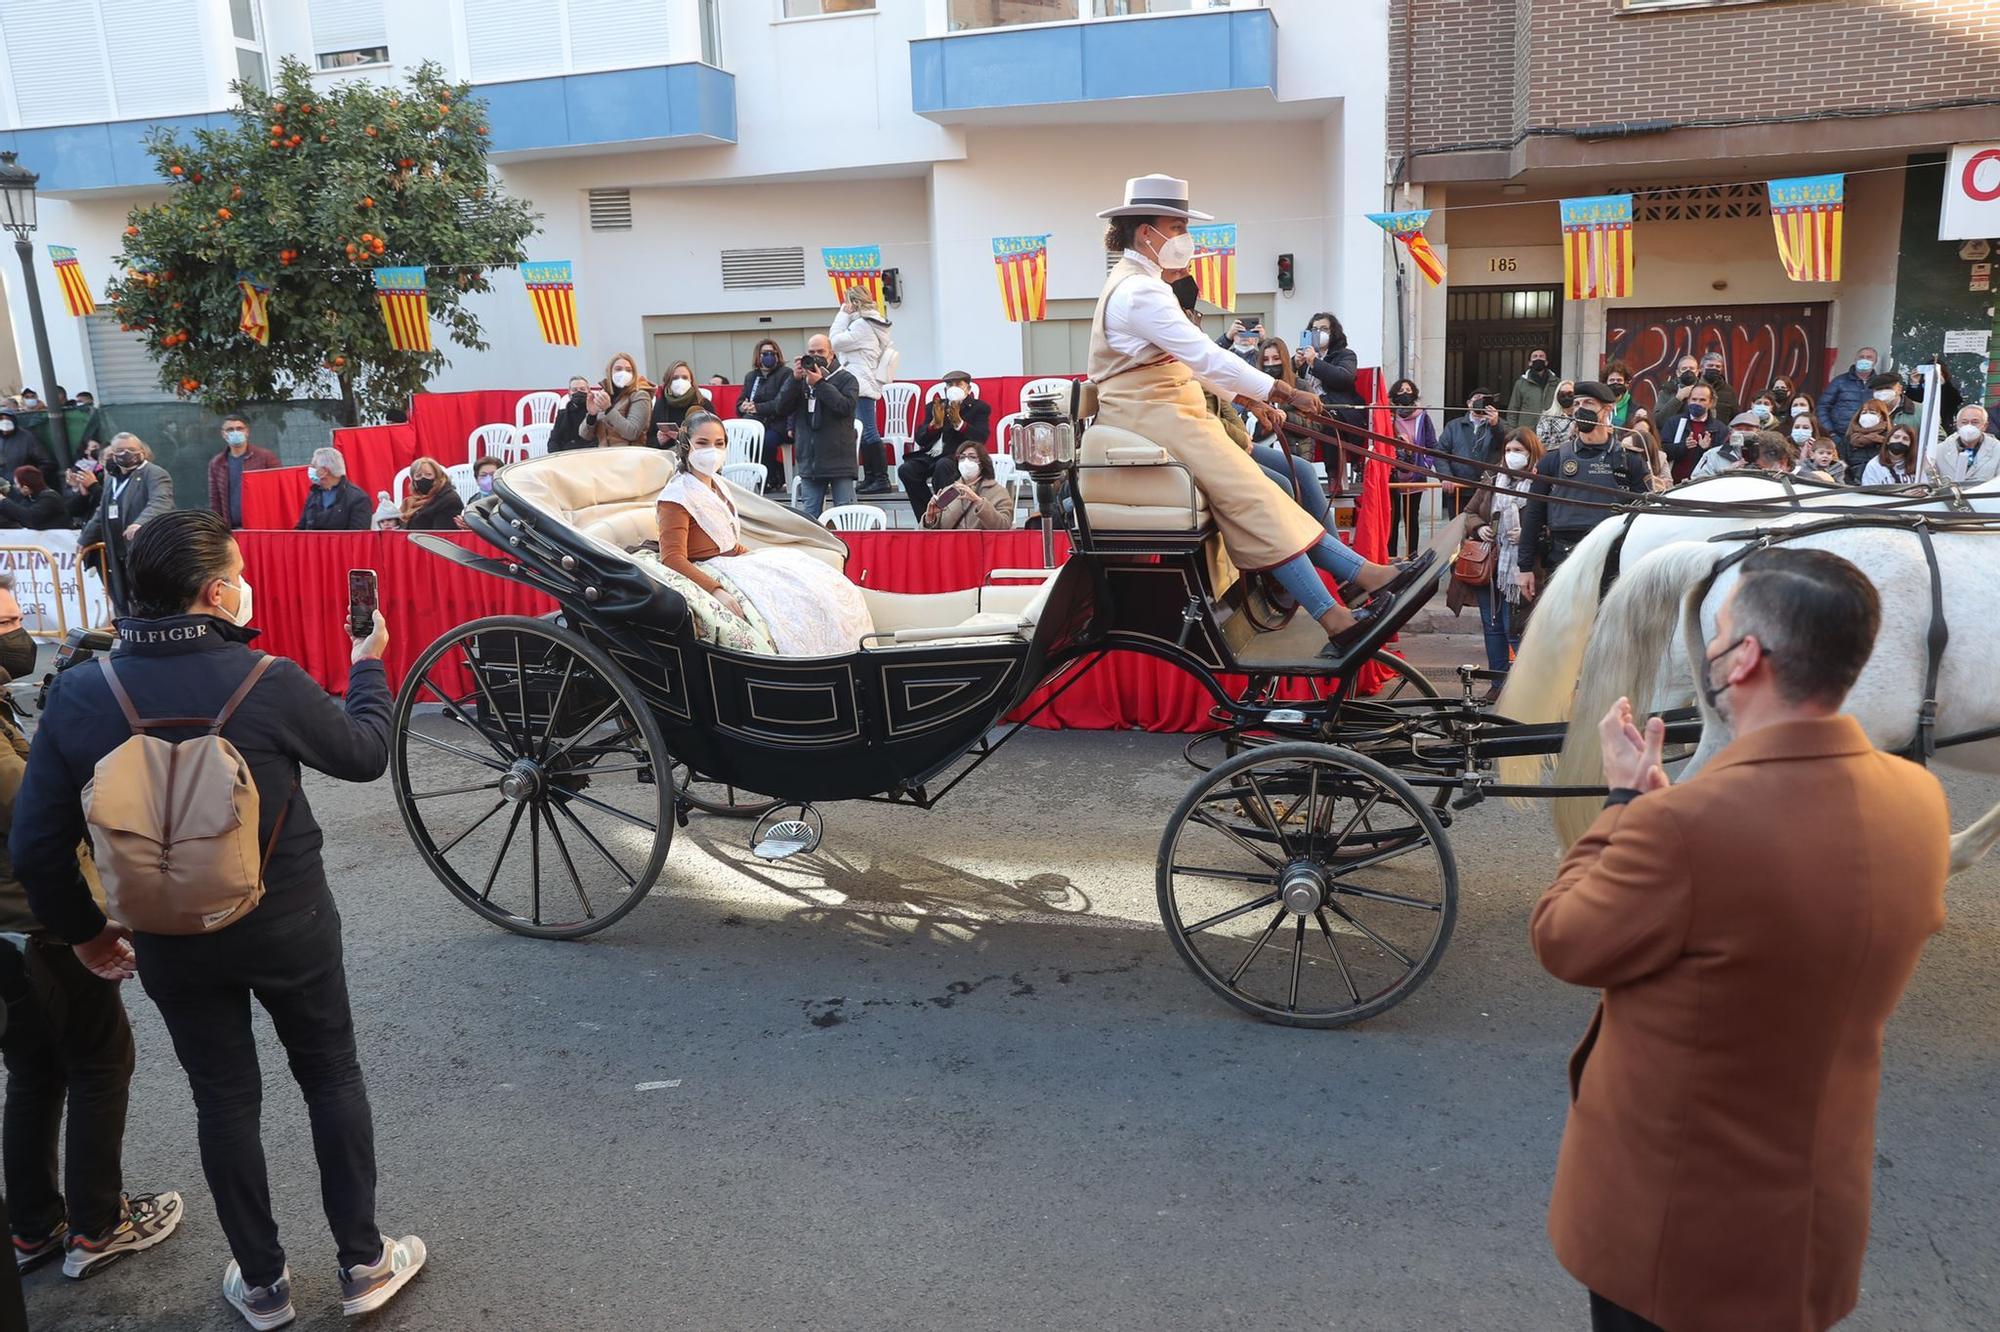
x,y
1156,196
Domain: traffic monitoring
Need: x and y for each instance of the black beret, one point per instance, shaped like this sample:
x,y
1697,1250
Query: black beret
x,y
1887,379
1590,388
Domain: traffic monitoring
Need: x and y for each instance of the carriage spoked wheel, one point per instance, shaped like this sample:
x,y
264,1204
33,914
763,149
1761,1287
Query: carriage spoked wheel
x,y
1330,904
524,767
1205,750
720,798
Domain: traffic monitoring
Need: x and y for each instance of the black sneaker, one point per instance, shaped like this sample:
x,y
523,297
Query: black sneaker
x,y
149,1218
32,1251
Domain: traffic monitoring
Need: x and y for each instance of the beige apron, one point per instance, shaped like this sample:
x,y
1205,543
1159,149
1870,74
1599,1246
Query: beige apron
x,y
1158,397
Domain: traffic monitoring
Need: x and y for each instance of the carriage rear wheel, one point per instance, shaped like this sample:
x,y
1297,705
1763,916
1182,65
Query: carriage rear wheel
x,y
1307,885
525,767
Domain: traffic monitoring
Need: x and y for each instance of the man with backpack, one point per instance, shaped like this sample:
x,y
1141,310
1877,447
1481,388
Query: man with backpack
x,y
215,890
67,1044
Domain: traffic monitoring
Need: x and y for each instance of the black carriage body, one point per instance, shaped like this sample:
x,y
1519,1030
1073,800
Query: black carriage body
x,y
878,721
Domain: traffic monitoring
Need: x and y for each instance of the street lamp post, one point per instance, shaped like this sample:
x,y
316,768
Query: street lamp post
x,y
17,214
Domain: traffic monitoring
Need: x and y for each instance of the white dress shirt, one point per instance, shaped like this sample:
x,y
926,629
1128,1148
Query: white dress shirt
x,y
1144,313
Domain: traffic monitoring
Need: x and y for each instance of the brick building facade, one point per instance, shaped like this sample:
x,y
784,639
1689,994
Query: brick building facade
x,y
1497,108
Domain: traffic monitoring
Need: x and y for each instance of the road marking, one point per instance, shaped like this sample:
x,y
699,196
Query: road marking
x,y
656,1086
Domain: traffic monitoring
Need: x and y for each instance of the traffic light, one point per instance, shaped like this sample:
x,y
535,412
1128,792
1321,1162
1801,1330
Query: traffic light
x,y
1284,272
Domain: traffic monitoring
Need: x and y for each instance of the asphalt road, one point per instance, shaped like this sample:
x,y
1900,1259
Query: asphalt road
x,y
950,1074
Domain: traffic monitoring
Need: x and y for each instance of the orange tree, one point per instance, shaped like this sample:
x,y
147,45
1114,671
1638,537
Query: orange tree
x,y
309,192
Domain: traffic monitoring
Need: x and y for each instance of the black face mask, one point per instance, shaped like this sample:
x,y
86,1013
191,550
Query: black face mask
x,y
1403,399
1687,377
1538,371
121,463
769,360
422,485
1274,369
1616,385
1898,447
1713,374
1710,691
1587,419
1564,397
17,653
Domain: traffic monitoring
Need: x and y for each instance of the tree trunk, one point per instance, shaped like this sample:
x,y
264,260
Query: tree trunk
x,y
350,408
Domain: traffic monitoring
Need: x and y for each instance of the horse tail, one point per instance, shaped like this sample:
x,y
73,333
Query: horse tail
x,y
1969,846
1623,660
1538,686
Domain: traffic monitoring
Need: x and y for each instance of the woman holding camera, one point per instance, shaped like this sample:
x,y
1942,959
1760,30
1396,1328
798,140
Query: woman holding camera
x,y
974,501
619,410
673,401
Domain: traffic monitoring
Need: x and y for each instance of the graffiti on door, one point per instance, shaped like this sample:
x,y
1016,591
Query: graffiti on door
x,y
1758,343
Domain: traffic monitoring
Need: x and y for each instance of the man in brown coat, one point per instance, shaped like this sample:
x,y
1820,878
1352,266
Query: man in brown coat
x,y
1715,1169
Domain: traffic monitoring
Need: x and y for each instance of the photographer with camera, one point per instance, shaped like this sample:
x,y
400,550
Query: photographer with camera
x,y
569,416
183,653
821,399
1241,338
1469,446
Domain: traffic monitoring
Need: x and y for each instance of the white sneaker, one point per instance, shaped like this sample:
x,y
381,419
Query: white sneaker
x,y
366,1289
148,1219
263,1307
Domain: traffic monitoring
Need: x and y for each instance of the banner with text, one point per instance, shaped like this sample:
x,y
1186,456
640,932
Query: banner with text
x,y
44,566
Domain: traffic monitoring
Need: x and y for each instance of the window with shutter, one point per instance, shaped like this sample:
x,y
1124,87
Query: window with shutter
x,y
514,39
121,369
347,33
55,51
159,65
617,34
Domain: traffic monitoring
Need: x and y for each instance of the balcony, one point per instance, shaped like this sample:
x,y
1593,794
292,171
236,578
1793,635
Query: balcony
x,y
1218,63
656,107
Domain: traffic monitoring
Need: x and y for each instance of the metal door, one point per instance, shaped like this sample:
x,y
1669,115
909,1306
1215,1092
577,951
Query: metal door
x,y
1488,333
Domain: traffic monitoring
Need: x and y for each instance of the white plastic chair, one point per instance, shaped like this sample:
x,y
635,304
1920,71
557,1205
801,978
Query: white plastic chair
x,y
497,439
854,518
1001,427
1061,386
462,480
749,475
538,408
535,439
399,485
899,416
746,441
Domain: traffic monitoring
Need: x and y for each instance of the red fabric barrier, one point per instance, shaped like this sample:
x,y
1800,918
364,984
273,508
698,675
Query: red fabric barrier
x,y
301,581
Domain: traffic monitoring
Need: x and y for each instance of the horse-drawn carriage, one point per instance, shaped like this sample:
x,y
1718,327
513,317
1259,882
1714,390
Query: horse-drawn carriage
x,y
1306,875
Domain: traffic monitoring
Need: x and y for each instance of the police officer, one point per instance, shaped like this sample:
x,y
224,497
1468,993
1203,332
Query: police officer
x,y
1553,521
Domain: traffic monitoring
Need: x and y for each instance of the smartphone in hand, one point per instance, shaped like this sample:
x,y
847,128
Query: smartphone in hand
x,y
363,601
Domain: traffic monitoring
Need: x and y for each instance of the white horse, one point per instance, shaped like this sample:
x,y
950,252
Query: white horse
x,y
1633,653
1551,653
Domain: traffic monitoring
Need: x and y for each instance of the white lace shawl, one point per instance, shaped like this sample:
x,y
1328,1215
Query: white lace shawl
x,y
711,510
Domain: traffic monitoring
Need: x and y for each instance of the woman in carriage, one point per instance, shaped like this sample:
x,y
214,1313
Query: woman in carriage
x,y
806,607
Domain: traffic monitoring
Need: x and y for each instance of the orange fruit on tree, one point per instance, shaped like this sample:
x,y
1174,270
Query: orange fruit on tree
x,y
131,231
224,214
367,201
174,171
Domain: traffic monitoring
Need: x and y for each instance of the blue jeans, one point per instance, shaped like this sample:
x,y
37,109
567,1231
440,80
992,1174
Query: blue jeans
x,y
1285,469
1496,621
874,453
812,494
1300,574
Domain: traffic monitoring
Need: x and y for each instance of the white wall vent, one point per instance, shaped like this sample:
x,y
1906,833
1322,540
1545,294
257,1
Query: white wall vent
x,y
610,210
746,270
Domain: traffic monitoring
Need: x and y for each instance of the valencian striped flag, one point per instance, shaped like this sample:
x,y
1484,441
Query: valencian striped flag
x,y
1597,246
855,266
1408,227
552,291
255,320
1807,213
406,309
1022,265
75,290
1214,263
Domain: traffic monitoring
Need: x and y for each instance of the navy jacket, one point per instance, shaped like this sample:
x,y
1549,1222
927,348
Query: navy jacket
x,y
1468,448
1841,400
350,511
188,666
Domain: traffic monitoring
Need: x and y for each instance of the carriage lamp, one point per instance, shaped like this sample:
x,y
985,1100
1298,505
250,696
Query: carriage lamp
x,y
1043,441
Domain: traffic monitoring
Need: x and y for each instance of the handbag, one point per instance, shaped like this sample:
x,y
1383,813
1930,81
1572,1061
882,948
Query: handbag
x,y
1476,561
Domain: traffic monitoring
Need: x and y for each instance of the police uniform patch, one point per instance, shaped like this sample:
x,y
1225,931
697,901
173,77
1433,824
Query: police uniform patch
x,y
1569,467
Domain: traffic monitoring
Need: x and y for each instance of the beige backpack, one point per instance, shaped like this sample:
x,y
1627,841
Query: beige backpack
x,y
174,824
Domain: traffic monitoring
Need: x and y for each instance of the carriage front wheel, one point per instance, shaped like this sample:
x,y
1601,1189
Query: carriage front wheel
x,y
1307,885
532,776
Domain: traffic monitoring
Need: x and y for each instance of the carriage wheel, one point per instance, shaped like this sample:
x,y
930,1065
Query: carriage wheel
x,y
1329,906
1409,682
713,797
527,779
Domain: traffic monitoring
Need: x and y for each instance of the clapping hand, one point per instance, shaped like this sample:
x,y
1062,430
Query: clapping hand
x,y
1632,758
597,401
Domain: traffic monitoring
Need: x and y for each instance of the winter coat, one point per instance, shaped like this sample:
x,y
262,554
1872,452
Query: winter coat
x,y
1961,466
1874,473
439,513
862,343
350,509
187,666
1422,450
1555,428
41,512
1333,373
762,389
993,513
629,419
824,434
255,459
1841,399
22,447
975,424
1529,400
1668,403
672,411
563,431
1468,447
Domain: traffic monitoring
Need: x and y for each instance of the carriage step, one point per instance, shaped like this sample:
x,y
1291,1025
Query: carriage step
x,y
783,838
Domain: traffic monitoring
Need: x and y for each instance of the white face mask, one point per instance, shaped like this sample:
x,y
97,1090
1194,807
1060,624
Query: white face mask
x,y
621,378
1885,395
1517,459
1800,409
954,394
1969,432
1868,420
1175,251
676,386
242,615
968,468
707,461
1803,435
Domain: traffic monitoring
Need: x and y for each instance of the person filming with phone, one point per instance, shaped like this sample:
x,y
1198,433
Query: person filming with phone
x,y
211,917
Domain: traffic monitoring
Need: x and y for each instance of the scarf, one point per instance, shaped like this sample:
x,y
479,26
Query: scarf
x,y
685,402
710,509
1507,503
413,503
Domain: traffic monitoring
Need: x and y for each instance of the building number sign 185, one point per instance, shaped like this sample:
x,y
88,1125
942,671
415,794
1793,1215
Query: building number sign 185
x,y
1502,264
